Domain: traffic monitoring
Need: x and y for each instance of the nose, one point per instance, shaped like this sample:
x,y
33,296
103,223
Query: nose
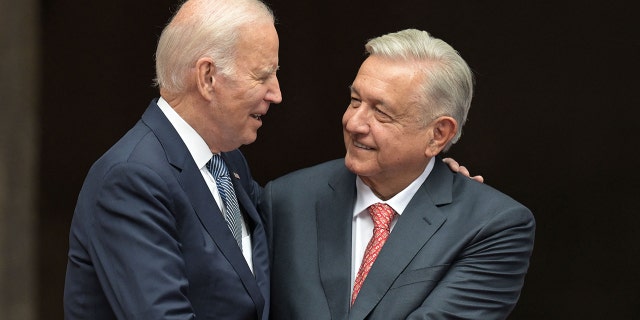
x,y
273,94
354,120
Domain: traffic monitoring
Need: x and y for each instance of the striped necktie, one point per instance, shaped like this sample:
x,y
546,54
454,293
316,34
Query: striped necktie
x,y
232,211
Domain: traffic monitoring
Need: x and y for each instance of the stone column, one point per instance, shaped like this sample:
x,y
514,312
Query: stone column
x,y
19,99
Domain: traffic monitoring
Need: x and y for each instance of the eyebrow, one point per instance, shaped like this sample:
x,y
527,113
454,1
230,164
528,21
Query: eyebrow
x,y
378,102
272,69
266,72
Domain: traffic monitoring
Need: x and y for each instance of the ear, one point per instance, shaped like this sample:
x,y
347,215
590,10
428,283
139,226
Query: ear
x,y
205,77
441,131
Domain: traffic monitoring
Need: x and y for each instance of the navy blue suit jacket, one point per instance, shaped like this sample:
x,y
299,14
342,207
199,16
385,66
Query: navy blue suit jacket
x,y
460,250
148,241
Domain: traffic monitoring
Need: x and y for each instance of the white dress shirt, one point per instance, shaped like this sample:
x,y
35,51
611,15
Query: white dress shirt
x,y
201,154
362,225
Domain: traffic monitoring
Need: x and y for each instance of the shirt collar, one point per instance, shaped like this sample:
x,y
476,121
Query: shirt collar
x,y
366,197
198,148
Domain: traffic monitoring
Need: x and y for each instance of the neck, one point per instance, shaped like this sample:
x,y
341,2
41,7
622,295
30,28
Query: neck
x,y
387,186
384,191
190,109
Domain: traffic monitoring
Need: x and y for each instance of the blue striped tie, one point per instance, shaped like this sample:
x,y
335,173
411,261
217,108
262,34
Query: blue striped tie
x,y
234,219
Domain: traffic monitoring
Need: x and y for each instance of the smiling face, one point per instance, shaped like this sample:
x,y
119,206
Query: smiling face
x,y
386,141
242,98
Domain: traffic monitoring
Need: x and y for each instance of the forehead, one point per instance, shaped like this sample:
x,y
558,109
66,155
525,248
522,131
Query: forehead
x,y
386,79
258,42
258,33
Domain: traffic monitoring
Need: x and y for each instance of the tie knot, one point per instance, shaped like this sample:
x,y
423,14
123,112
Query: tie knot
x,y
217,167
382,214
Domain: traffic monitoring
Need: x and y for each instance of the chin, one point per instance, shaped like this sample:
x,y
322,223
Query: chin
x,y
249,137
249,141
352,165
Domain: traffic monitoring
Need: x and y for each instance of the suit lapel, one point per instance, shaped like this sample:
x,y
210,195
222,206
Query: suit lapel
x,y
334,215
202,201
254,226
212,219
418,223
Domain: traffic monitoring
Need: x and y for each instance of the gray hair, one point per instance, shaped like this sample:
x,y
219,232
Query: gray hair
x,y
204,28
447,86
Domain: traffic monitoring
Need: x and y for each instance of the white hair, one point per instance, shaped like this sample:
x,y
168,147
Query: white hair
x,y
204,28
447,88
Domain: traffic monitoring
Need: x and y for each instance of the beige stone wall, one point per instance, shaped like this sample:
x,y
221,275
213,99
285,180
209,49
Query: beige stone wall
x,y
19,98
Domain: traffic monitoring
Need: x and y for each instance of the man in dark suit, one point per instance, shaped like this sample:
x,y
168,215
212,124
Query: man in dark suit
x,y
151,236
388,232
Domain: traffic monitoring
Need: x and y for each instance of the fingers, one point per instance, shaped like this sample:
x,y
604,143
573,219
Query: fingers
x,y
464,171
453,165
456,167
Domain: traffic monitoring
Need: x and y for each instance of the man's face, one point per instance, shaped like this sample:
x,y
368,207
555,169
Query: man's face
x,y
384,136
244,97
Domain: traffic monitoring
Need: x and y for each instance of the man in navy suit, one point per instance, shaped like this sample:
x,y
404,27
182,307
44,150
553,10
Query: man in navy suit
x,y
388,232
149,238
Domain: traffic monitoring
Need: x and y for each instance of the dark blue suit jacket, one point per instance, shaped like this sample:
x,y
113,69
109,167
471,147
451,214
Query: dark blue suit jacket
x,y
460,250
148,241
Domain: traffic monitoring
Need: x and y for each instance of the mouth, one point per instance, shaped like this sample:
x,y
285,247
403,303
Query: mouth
x,y
257,116
361,146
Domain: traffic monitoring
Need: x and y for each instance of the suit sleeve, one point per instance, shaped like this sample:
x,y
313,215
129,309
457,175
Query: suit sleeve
x,y
135,249
485,280
266,213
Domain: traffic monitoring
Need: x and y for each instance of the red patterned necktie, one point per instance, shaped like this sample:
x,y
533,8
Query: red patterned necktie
x,y
382,215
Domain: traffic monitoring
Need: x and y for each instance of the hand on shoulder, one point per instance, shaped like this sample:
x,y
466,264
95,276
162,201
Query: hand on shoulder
x,y
456,167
